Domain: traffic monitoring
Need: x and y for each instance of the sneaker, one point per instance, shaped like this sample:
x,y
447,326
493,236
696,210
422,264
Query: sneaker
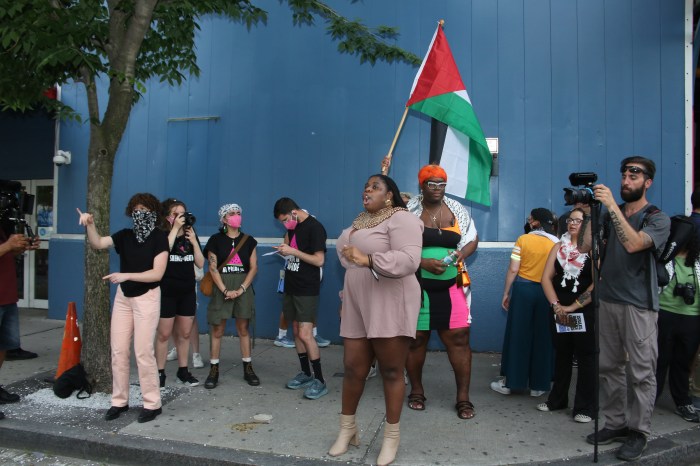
x,y
696,402
114,412
161,379
18,354
316,390
197,362
688,413
322,342
543,407
284,342
186,378
213,377
633,447
537,393
147,415
2,415
607,436
7,397
499,386
249,374
583,418
372,372
300,380
172,354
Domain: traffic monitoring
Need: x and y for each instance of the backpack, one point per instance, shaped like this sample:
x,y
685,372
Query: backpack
x,y
73,379
681,230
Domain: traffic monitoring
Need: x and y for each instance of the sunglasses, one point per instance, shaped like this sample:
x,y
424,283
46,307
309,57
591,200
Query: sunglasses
x,y
573,221
635,170
433,186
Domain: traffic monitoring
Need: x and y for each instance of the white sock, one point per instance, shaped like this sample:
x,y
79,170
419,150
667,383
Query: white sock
x,y
246,359
282,333
214,361
315,332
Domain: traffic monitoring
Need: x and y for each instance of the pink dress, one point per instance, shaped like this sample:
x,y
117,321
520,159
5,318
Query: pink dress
x,y
387,307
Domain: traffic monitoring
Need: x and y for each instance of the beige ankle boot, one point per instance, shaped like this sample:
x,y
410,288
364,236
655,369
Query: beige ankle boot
x,y
347,435
389,445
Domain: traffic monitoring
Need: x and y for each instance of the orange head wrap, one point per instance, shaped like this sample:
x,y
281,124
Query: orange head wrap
x,y
431,171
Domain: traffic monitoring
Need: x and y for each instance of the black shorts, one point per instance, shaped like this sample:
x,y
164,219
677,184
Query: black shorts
x,y
178,302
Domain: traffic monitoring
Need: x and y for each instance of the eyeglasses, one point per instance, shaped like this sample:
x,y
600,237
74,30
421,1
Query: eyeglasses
x,y
573,221
433,186
635,170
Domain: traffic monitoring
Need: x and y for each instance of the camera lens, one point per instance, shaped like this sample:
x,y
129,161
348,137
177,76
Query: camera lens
x,y
575,196
189,219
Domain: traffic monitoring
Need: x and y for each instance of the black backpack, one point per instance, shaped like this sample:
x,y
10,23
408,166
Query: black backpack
x,y
73,379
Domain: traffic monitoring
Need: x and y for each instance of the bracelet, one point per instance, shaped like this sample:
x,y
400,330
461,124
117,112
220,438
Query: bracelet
x,y
244,288
579,303
371,264
225,291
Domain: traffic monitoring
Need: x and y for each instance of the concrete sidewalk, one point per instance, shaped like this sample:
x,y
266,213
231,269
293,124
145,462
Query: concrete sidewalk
x,y
200,426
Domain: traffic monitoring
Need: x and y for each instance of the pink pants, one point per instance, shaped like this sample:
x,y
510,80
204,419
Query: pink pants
x,y
135,318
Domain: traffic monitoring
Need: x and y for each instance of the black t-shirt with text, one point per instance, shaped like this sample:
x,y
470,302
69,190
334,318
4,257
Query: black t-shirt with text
x,y
180,270
135,257
300,278
222,245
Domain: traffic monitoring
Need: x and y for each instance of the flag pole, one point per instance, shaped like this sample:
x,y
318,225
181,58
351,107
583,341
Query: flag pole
x,y
386,161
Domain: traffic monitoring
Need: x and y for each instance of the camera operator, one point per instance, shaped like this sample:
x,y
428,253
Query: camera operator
x,y
679,327
10,246
629,302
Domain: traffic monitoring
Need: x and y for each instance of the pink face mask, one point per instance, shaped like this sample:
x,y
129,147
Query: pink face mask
x,y
170,219
291,223
234,221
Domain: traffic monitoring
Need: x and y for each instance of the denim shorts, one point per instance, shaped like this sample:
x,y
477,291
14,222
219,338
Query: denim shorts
x,y
9,327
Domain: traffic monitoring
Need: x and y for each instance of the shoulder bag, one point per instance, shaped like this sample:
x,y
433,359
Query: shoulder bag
x,y
206,286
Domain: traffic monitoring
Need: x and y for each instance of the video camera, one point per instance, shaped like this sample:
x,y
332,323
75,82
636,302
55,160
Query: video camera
x,y
582,195
15,203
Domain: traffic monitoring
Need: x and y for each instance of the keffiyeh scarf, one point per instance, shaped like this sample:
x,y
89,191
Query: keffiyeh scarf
x,y
571,260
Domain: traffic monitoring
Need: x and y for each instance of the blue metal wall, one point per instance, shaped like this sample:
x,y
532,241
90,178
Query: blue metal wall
x,y
565,86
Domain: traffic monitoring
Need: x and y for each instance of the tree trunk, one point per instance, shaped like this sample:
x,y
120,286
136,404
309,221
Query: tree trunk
x,y
96,318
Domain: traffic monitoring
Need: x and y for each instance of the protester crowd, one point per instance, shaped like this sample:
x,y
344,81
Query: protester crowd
x,y
405,276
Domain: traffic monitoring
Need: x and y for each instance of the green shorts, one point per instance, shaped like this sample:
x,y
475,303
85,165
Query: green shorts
x,y
300,308
242,307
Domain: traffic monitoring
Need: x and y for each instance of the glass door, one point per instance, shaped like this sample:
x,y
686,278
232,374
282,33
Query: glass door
x,y
33,266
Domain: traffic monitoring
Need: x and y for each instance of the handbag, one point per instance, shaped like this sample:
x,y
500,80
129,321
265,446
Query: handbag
x,y
73,379
463,279
206,286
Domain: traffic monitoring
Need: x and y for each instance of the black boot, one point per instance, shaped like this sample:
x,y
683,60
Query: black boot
x,y
249,374
213,378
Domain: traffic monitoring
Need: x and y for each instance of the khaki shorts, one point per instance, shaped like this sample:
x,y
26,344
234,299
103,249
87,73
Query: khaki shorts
x,y
242,307
300,308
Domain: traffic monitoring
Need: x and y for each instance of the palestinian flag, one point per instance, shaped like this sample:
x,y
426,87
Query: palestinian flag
x,y
457,141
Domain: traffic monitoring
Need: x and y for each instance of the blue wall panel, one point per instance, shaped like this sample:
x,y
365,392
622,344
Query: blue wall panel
x,y
565,86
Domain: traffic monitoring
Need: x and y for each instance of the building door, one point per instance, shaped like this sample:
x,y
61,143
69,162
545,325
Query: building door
x,y
33,266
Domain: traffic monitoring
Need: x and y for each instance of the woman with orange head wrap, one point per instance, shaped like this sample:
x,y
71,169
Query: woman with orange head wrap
x,y
449,233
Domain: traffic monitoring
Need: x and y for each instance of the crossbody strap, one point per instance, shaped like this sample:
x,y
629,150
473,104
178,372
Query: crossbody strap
x,y
233,253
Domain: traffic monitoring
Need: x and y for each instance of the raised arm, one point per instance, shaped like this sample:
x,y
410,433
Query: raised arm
x,y
96,241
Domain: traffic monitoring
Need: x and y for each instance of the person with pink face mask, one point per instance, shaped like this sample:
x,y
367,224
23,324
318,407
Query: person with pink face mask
x,y
178,296
233,295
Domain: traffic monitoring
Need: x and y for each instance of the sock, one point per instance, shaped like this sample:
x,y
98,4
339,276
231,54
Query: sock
x,y
304,361
315,332
161,371
214,361
282,332
246,359
316,363
182,371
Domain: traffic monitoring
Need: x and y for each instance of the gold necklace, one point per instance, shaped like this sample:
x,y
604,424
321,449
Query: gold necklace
x,y
367,220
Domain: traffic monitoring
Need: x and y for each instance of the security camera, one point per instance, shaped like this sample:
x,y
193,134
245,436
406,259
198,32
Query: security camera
x,y
62,157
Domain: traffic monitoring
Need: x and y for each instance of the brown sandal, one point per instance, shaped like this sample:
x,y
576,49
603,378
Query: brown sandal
x,y
416,401
465,409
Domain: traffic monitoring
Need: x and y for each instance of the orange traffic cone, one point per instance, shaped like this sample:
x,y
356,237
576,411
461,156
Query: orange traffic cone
x,y
72,344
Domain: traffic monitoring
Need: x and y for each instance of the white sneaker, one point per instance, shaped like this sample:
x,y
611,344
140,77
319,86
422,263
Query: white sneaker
x,y
543,407
582,418
172,354
499,387
372,371
197,361
537,392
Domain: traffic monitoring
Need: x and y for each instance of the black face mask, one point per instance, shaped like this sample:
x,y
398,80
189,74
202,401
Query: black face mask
x,y
527,228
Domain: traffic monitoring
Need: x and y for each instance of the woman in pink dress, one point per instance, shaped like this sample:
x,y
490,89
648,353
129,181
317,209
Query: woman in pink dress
x,y
381,252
